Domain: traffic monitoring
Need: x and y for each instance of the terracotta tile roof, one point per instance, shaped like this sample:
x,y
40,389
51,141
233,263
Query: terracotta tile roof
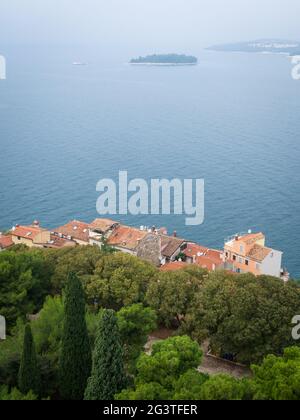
x,y
259,253
193,250
204,257
170,244
174,266
5,241
27,232
215,256
251,238
208,263
126,237
76,230
103,224
57,242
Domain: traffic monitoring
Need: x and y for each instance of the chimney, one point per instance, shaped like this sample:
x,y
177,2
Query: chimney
x,y
175,234
236,237
36,223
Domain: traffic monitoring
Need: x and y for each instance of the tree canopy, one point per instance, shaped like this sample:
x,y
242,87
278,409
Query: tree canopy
x,y
75,359
119,280
29,374
171,293
24,283
108,374
158,373
135,323
245,317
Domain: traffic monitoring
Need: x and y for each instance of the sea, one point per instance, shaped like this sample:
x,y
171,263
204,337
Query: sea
x,y
232,120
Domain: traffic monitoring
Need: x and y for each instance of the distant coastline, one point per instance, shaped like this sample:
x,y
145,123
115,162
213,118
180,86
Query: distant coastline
x,y
165,60
263,46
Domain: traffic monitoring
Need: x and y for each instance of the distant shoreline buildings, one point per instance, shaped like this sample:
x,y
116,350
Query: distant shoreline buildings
x,y
242,253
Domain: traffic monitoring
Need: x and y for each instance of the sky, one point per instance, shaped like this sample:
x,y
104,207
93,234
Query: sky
x,y
151,23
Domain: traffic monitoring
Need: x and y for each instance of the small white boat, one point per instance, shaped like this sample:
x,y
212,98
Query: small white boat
x,y
79,63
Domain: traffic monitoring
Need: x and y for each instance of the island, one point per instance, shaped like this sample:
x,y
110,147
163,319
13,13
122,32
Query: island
x,y
166,60
263,46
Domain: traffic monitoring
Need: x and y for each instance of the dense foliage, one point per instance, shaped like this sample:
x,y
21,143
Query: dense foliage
x,y
135,324
159,372
24,283
244,318
15,395
108,374
171,294
119,280
75,359
278,378
29,374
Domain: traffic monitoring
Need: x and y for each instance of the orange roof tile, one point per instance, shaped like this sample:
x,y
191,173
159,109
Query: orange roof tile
x,y
126,237
174,266
208,263
75,229
251,238
204,257
215,256
103,224
259,253
193,250
27,232
57,242
6,241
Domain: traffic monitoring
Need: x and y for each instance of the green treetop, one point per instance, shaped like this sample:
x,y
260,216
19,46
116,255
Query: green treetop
x,y
75,359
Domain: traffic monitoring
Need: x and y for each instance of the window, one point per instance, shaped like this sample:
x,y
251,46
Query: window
x,y
234,257
257,267
242,249
19,238
240,260
247,262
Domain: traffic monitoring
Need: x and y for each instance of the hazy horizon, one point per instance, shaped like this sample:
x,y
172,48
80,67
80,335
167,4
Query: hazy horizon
x,y
156,25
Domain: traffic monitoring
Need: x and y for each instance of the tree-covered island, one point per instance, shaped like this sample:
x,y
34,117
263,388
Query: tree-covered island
x,y
166,59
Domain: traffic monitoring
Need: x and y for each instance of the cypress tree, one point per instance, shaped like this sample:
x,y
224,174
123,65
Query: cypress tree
x,y
29,374
108,375
75,360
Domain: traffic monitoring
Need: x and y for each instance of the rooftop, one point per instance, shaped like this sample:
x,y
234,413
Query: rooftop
x,y
170,244
57,242
259,253
194,250
5,241
204,257
27,232
248,239
75,230
102,224
126,237
174,266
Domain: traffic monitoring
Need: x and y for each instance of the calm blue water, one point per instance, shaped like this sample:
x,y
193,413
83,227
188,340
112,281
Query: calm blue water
x,y
233,120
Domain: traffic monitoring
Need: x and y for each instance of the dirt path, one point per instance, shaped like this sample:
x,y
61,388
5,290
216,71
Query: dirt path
x,y
214,366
